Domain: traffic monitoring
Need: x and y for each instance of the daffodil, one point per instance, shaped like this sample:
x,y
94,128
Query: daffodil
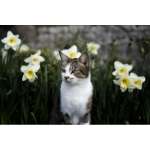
x,y
72,52
29,72
11,41
137,81
124,83
35,59
24,48
93,47
121,69
56,54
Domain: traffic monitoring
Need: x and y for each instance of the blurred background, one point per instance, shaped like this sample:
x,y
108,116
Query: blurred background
x,y
46,35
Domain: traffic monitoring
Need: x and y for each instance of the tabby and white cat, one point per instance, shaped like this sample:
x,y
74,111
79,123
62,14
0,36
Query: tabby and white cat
x,y
73,100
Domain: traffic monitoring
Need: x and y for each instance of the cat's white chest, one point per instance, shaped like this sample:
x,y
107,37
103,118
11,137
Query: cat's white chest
x,y
74,98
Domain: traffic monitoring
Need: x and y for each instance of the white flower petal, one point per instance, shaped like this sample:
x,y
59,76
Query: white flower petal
x,y
30,65
4,40
35,67
140,87
24,68
31,80
41,59
133,75
14,48
117,64
95,51
18,41
24,78
123,89
116,82
115,73
97,46
66,52
27,60
24,47
73,49
143,79
7,46
78,55
9,33
56,54
38,53
129,67
132,81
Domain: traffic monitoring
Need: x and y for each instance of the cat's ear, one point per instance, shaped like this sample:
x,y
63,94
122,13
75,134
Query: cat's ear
x,y
84,58
63,56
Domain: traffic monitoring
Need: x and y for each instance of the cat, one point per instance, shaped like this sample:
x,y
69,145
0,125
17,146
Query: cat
x,y
73,99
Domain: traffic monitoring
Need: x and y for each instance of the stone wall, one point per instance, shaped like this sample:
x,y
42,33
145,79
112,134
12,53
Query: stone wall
x,y
39,36
45,35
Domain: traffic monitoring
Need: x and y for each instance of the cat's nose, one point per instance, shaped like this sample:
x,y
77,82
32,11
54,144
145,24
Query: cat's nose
x,y
66,77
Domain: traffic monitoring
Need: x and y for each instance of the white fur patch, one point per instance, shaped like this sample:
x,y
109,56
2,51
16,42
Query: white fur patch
x,y
88,123
75,119
75,96
67,70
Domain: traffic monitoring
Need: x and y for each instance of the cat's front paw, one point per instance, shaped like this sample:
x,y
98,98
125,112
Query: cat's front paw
x,y
67,118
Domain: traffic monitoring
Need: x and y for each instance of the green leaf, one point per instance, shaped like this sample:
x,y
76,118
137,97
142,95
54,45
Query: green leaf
x,y
127,122
3,79
32,114
10,91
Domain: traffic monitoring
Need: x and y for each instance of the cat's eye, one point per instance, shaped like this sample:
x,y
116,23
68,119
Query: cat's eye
x,y
63,70
73,71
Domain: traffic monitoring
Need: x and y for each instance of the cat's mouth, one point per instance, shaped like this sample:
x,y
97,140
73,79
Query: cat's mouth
x,y
67,81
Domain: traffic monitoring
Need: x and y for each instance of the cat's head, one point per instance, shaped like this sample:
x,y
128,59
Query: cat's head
x,y
74,70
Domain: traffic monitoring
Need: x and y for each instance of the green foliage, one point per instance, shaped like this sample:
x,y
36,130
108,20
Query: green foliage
x,y
111,106
143,47
23,102
50,62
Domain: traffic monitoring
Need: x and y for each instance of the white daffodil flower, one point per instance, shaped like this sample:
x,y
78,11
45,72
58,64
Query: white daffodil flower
x,y
124,83
56,54
121,69
29,72
137,81
11,41
35,59
72,52
93,47
24,48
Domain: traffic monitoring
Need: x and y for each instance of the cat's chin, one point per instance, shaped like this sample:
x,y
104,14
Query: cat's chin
x,y
68,82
